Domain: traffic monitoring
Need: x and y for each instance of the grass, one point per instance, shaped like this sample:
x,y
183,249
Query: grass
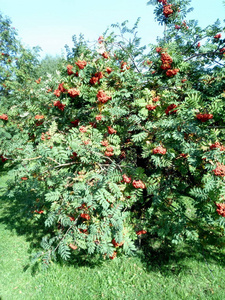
x,y
181,274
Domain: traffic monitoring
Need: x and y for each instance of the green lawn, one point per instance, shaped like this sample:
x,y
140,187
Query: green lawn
x,y
186,274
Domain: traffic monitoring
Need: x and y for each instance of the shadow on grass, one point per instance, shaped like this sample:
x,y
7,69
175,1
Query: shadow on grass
x,y
168,259
16,213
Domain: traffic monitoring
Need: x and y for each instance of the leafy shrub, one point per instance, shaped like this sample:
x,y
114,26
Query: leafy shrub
x,y
119,145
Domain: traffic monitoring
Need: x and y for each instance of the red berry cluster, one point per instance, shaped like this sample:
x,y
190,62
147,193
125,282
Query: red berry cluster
x,y
60,90
100,39
151,107
217,36
102,97
220,209
109,148
45,136
114,255
184,155
124,66
69,70
219,170
172,72
170,109
39,123
111,130
159,150
57,93
81,64
104,143
182,25
105,55
75,122
59,105
156,99
217,145
122,154
140,232
72,246
138,184
93,124
83,129
4,117
158,49
39,117
96,78
204,117
166,61
83,231
83,205
167,10
164,2
126,179
39,211
85,216
3,159
115,244
108,70
73,92
98,117
109,151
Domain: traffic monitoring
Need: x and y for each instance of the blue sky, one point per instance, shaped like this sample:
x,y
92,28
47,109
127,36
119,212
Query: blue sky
x,y
51,24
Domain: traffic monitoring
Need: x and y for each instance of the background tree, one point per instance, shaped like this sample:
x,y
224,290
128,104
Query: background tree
x,y
49,65
18,68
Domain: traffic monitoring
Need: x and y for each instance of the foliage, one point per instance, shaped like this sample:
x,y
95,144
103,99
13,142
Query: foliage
x,y
187,272
113,144
48,66
18,68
